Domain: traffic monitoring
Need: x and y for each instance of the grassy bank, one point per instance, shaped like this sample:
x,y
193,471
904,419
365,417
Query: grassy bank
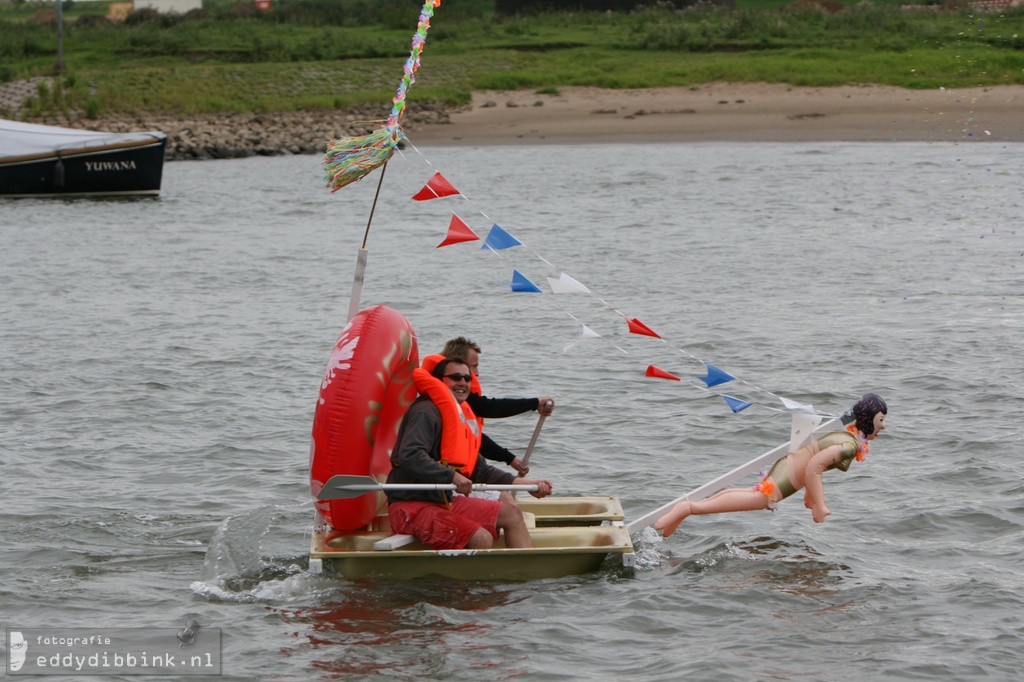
x,y
311,54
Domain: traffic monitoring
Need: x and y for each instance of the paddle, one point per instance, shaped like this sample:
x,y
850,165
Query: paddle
x,y
343,487
533,440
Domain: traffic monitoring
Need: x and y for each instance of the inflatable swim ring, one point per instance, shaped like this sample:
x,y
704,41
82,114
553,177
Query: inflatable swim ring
x,y
365,392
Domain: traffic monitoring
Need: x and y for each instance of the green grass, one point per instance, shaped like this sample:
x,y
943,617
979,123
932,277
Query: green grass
x,y
321,54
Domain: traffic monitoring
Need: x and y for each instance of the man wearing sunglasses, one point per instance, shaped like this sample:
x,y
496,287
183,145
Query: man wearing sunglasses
x,y
438,442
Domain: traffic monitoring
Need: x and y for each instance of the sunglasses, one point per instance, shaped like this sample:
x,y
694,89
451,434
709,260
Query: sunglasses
x,y
459,377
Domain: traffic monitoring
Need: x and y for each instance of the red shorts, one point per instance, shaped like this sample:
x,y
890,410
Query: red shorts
x,y
435,525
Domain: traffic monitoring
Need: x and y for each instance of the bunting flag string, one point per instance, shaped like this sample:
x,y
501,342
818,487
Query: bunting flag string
x,y
735,404
587,333
566,285
498,239
435,188
638,327
653,371
715,376
458,232
522,284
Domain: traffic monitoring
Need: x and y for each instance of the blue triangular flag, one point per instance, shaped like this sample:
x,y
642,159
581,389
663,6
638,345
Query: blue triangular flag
x,y
735,404
498,239
521,283
715,376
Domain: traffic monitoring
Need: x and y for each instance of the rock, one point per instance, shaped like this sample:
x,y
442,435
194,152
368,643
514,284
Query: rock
x,y
225,136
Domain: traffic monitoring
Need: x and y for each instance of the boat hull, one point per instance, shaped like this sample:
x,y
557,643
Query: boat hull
x,y
564,544
124,169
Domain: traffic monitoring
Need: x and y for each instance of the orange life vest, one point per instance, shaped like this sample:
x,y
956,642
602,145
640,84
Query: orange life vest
x,y
460,434
474,387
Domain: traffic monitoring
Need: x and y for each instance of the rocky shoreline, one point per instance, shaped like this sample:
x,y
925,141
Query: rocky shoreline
x,y
232,136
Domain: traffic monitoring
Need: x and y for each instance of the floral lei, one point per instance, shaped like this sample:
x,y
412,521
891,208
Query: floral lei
x,y
865,445
766,487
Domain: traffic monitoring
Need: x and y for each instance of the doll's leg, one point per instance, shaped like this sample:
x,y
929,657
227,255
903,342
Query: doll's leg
x,y
732,500
668,523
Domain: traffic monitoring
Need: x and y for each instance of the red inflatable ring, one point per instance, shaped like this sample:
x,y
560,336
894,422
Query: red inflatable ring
x,y
365,392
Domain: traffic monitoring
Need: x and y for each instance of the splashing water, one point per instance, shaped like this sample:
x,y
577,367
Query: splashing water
x,y
234,569
234,551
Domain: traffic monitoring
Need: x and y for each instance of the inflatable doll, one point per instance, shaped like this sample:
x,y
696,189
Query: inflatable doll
x,y
799,470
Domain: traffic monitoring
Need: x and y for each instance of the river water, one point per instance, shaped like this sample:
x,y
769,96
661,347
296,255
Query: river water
x,y
160,361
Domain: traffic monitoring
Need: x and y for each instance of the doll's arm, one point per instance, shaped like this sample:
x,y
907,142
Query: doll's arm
x,y
814,493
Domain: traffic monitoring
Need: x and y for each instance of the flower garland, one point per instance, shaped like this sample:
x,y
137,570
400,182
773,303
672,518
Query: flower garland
x,y
766,487
865,445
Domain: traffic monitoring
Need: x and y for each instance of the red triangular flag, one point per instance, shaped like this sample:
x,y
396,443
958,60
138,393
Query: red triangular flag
x,y
638,327
436,187
653,371
458,231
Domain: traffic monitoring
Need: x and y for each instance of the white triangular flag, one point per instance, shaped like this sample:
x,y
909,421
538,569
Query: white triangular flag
x,y
795,406
802,429
587,333
566,285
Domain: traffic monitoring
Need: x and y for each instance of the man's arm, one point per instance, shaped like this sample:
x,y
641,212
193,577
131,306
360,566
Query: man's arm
x,y
494,452
485,473
498,408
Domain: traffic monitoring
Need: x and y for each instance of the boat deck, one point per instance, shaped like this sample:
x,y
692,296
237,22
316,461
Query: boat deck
x,y
571,536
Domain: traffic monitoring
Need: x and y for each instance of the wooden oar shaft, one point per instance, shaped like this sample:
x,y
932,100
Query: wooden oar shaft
x,y
536,433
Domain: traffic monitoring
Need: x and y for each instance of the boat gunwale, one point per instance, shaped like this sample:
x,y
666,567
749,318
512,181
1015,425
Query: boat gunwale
x,y
153,141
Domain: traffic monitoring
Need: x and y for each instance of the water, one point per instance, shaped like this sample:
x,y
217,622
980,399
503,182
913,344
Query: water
x,y
160,360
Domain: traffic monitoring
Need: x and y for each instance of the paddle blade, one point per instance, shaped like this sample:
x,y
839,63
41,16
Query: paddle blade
x,y
346,487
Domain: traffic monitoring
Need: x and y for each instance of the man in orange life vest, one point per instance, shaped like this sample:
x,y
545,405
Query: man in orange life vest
x,y
494,408
438,442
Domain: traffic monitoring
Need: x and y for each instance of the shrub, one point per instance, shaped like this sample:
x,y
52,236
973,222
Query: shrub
x,y
93,21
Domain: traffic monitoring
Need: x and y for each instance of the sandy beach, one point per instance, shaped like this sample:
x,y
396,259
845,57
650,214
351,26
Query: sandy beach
x,y
734,112
759,112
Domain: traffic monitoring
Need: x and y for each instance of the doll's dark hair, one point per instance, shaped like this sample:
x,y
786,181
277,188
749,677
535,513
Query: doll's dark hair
x,y
863,412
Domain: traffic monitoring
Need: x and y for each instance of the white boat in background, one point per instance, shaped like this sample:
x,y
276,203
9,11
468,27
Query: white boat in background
x,y
40,161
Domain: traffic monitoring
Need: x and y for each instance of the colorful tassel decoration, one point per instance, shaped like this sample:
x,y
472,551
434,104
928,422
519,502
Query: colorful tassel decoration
x,y
349,159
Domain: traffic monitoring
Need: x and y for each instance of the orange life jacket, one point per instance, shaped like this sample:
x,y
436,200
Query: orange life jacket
x,y
460,434
474,387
